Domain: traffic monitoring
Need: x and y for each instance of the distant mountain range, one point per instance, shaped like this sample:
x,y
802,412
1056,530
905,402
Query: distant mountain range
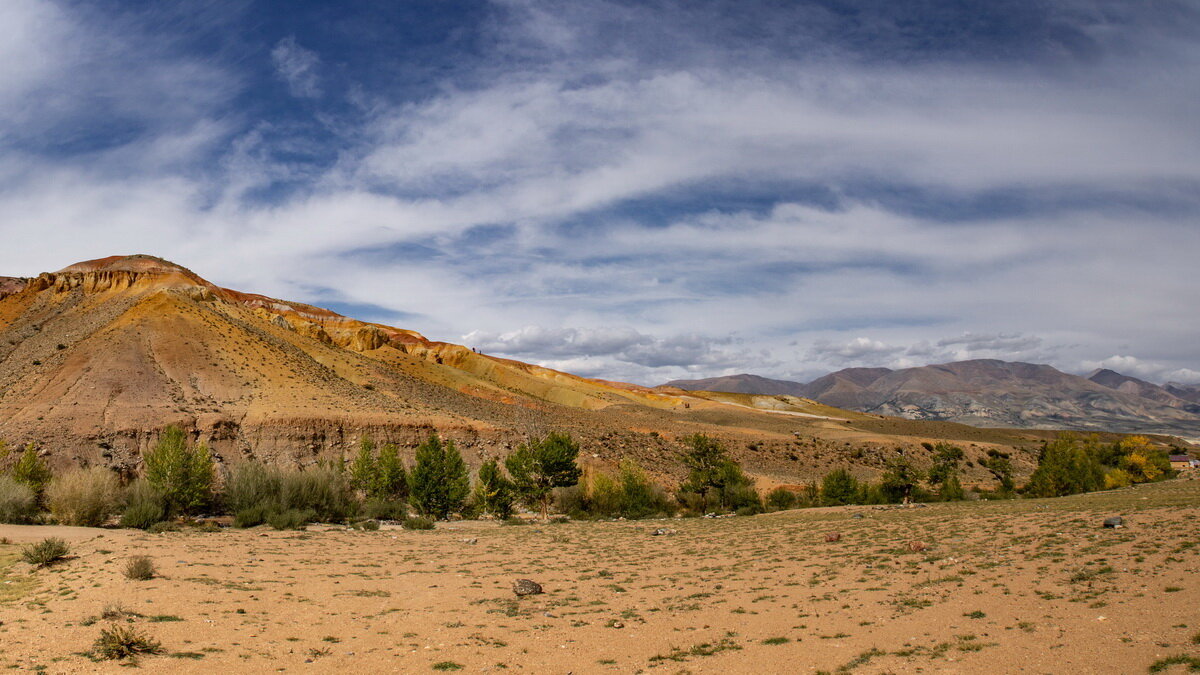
x,y
992,393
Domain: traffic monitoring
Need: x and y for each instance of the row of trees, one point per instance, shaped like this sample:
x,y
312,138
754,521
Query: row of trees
x,y
179,480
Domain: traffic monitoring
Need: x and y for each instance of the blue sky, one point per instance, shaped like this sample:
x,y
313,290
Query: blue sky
x,y
638,191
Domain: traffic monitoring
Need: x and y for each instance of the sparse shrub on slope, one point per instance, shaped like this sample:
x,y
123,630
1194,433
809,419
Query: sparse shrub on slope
x,y
18,504
84,497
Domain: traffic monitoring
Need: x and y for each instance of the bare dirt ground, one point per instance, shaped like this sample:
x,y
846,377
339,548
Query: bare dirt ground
x,y
1032,586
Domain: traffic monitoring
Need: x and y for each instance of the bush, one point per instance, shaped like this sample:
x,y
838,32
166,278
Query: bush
x,y
323,490
291,519
439,482
418,523
182,474
46,552
18,503
748,511
839,487
1117,478
951,490
250,485
384,510
162,526
140,568
639,497
781,499
628,494
252,516
143,506
84,497
120,642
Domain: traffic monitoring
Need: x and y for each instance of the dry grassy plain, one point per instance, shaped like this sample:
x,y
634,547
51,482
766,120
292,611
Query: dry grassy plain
x,y
1028,586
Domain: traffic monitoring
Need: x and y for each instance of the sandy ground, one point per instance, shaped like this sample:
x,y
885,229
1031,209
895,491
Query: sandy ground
x,y
1001,587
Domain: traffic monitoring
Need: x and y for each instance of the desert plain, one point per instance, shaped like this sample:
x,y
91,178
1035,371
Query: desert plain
x,y
1021,586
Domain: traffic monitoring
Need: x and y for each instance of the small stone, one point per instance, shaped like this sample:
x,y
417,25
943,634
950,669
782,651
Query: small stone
x,y
857,516
831,537
524,587
1114,522
662,531
472,540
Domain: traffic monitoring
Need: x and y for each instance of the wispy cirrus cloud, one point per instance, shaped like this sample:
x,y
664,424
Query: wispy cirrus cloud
x,y
645,190
297,66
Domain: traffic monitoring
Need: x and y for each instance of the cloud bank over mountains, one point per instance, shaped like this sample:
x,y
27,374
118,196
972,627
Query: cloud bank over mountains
x,y
637,191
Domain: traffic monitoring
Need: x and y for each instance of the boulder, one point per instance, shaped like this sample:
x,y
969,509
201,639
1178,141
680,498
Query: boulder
x,y
831,537
1114,522
523,587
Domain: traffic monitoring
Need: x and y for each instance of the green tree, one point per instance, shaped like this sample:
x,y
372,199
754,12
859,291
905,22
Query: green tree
x,y
391,482
839,487
1066,467
946,458
364,471
494,491
899,480
708,465
1000,466
31,471
542,464
183,475
438,483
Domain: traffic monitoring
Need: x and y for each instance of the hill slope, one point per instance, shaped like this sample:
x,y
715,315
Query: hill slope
x,y
97,358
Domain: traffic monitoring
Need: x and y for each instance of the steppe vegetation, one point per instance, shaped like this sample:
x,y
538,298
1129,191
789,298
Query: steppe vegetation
x,y
1034,585
181,481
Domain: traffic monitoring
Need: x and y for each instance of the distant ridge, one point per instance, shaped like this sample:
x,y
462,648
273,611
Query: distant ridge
x,y
993,393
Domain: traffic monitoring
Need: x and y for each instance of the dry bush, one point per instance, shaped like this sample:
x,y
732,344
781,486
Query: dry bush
x,y
84,497
140,568
46,552
18,503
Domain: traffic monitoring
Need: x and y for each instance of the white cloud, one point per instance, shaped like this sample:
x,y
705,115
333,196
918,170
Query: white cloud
x,y
297,66
539,151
